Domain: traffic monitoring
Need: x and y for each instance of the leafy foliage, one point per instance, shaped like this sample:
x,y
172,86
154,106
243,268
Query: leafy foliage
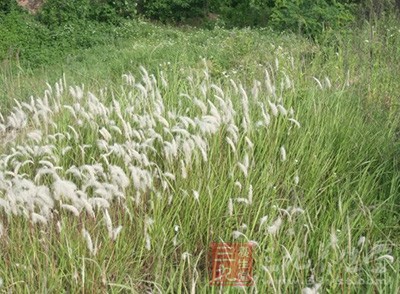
x,y
22,37
61,26
57,12
310,17
33,42
245,12
6,6
171,10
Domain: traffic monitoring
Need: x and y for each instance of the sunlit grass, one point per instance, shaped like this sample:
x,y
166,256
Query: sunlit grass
x,y
123,188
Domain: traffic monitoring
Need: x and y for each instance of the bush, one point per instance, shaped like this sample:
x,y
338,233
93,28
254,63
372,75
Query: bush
x,y
311,17
172,10
113,11
57,34
23,37
244,13
58,12
6,6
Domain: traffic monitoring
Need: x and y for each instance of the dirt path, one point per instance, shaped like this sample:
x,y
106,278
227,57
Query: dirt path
x,y
31,5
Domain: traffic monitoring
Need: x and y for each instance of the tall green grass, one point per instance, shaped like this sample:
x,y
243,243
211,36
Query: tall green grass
x,y
324,215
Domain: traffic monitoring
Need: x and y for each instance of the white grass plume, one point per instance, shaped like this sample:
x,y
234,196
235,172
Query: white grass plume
x,y
274,228
108,223
71,209
283,153
89,243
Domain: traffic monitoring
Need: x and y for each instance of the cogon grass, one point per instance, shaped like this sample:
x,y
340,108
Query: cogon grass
x,y
123,152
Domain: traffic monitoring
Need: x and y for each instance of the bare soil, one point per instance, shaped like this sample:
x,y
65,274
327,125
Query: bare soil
x,y
32,5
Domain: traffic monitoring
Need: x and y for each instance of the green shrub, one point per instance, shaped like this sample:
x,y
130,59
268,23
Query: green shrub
x,y
311,17
58,12
243,13
7,6
37,43
172,10
22,37
112,11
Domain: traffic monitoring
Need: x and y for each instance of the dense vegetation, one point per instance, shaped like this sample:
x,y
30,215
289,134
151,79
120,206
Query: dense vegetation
x,y
127,145
58,24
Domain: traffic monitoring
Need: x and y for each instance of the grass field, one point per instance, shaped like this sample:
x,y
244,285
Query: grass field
x,y
121,164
